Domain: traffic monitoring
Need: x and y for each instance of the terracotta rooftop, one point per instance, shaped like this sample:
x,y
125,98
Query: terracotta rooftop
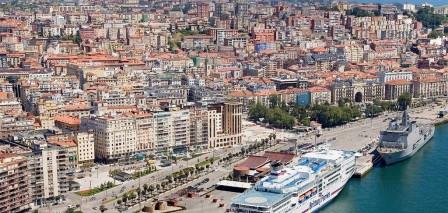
x,y
63,143
399,82
284,158
254,162
67,119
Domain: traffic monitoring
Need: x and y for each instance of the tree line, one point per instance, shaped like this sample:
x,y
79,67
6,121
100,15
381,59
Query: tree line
x,y
280,115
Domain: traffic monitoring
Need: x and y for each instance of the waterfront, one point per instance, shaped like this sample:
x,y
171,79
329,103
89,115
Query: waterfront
x,y
416,185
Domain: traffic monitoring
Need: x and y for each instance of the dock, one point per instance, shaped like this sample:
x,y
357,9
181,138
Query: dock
x,y
363,165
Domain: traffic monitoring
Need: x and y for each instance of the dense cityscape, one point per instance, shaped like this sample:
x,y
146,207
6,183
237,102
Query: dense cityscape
x,y
199,106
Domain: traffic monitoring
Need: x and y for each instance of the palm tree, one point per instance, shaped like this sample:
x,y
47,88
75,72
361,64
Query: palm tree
x,y
125,198
151,189
132,196
145,187
103,208
139,190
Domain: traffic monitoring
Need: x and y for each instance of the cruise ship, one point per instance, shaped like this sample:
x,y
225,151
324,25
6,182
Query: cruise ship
x,y
402,140
304,186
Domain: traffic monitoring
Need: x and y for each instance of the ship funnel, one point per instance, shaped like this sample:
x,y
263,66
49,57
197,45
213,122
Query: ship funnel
x,y
277,166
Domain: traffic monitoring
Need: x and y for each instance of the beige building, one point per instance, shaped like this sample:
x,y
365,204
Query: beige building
x,y
120,135
51,164
429,87
319,95
125,134
356,91
85,141
199,128
394,88
115,136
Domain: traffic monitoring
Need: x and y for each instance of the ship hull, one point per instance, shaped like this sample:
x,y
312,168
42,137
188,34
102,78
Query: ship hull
x,y
401,155
324,198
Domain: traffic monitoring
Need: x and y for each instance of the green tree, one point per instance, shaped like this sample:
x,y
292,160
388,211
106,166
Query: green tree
x,y
358,12
429,19
257,111
274,101
435,34
132,195
125,197
372,110
404,100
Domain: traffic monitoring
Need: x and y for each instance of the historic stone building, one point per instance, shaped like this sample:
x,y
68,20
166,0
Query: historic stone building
x,y
357,91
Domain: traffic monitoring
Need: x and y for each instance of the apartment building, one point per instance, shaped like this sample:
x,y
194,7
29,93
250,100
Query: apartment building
x,y
386,76
51,164
125,134
85,141
14,183
199,128
172,130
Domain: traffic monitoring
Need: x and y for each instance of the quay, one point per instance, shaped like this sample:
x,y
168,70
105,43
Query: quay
x,y
363,165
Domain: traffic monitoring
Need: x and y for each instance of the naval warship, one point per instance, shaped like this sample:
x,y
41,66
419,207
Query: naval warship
x,y
402,140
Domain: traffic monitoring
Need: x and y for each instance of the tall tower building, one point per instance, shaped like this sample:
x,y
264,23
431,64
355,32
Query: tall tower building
x,y
232,118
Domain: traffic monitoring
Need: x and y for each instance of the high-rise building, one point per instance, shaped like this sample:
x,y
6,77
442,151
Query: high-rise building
x,y
85,142
51,165
52,170
14,183
172,130
199,128
224,128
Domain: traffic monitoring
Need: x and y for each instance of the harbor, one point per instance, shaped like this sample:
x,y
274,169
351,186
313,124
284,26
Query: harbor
x,y
415,185
360,137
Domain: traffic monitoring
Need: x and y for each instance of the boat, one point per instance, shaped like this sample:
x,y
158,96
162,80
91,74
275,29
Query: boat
x,y
402,139
306,185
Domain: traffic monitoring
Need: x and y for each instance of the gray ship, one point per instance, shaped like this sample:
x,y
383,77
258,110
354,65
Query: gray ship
x,y
402,140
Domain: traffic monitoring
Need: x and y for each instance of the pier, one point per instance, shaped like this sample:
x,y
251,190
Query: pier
x,y
363,165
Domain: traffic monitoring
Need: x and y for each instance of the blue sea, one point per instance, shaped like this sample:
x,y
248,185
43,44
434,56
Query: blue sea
x,y
417,185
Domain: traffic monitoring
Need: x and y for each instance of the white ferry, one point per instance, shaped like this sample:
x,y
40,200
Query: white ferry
x,y
304,186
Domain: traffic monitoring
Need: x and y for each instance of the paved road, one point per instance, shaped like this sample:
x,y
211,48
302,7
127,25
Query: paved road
x,y
87,203
352,136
